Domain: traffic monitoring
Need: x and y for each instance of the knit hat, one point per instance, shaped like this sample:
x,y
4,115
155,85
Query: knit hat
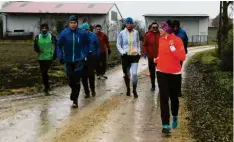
x,y
73,18
166,27
85,26
129,20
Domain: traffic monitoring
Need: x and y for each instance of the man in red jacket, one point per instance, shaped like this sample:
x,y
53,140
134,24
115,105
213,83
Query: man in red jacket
x,y
150,49
104,47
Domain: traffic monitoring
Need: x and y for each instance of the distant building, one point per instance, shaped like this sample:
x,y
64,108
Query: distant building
x,y
196,25
27,16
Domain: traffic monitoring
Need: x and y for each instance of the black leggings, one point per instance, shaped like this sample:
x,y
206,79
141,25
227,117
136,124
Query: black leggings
x,y
169,87
44,67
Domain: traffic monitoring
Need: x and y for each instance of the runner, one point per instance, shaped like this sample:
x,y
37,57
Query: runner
x,y
94,53
72,50
171,52
178,31
150,50
45,45
104,44
128,44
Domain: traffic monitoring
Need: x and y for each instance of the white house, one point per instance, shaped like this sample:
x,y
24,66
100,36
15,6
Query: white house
x,y
27,16
196,25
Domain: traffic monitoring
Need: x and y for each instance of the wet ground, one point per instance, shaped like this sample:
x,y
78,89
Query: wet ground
x,y
109,117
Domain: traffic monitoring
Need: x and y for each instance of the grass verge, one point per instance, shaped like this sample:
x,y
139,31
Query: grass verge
x,y
209,98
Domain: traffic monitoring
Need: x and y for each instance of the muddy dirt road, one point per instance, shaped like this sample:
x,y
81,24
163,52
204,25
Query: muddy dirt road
x,y
109,117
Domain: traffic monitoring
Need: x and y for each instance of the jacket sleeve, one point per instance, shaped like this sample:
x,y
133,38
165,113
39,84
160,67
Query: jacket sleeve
x,y
138,44
36,47
87,44
186,42
97,45
107,42
179,53
54,40
145,45
60,46
119,43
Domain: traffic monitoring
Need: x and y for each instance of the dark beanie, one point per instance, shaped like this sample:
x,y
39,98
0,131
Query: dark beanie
x,y
73,18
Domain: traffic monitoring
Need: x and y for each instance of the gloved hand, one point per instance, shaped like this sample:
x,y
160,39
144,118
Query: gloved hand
x,y
62,61
109,51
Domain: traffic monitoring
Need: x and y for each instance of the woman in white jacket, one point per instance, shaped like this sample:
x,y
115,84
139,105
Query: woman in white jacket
x,y
128,44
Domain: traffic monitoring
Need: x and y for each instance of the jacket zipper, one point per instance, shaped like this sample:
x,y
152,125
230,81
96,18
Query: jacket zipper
x,y
73,47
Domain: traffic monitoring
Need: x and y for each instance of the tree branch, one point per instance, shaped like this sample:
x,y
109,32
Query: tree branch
x,y
230,2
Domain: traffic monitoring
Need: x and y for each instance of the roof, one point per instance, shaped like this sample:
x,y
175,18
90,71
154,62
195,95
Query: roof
x,y
176,15
55,7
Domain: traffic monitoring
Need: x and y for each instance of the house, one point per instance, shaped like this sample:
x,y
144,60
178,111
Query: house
x,y
195,25
26,17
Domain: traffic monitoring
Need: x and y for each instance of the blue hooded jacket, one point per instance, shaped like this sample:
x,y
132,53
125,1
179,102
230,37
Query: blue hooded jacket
x,y
72,46
94,46
183,36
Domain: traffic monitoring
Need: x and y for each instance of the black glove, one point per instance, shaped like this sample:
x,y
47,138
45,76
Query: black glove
x,y
138,57
62,61
109,51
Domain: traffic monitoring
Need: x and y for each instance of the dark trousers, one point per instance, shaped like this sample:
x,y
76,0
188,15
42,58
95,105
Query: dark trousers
x,y
74,78
169,87
89,75
44,67
101,65
151,65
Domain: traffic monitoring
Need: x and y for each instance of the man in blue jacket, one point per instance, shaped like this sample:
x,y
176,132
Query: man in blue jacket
x,y
181,34
94,52
72,49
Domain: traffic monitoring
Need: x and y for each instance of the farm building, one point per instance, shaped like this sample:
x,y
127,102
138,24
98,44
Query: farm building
x,y
25,17
196,25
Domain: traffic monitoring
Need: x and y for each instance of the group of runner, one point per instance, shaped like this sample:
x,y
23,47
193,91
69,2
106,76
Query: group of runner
x,y
84,52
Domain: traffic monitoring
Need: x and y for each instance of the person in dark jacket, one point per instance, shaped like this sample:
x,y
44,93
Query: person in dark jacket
x,y
150,50
72,49
94,53
45,45
178,31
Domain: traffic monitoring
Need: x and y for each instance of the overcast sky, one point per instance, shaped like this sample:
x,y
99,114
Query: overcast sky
x,y
137,9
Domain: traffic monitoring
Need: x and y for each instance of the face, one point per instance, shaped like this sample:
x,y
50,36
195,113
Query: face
x,y
162,32
154,27
98,30
44,30
176,29
129,26
73,25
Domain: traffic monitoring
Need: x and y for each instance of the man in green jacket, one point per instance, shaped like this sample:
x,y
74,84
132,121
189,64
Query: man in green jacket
x,y
45,45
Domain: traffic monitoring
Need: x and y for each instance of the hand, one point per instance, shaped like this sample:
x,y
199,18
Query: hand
x,y
62,61
109,51
155,60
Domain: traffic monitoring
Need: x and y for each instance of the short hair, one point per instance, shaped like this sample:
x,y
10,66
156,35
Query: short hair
x,y
44,25
176,23
98,26
169,23
154,23
149,27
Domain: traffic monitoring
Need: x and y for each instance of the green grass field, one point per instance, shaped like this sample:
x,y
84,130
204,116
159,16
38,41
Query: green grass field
x,y
19,68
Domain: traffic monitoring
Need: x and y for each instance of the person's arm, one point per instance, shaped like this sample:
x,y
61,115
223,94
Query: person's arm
x,y
186,43
87,45
138,44
145,45
177,49
60,46
54,40
97,46
36,47
119,43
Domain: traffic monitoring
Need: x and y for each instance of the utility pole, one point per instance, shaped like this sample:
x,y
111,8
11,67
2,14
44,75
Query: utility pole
x,y
220,28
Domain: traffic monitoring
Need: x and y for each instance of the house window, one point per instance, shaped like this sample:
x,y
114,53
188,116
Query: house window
x,y
114,16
